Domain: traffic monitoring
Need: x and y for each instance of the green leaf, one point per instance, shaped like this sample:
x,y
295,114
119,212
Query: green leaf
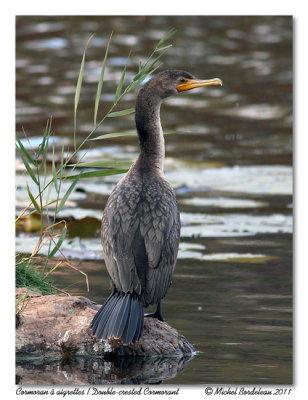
x,y
25,152
78,89
119,88
47,133
119,134
137,82
116,134
100,83
61,161
151,65
98,174
69,191
29,170
120,113
47,202
145,70
42,145
80,76
103,164
140,74
37,207
164,47
54,171
166,37
59,243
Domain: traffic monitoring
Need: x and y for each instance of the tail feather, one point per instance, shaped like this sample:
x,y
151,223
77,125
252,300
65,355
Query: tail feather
x,y
106,309
132,322
96,318
139,327
110,316
121,319
121,316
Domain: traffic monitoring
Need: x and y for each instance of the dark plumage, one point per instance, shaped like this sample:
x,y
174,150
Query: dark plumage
x,y
141,223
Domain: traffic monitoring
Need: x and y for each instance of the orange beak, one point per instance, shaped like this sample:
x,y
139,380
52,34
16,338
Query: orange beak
x,y
195,83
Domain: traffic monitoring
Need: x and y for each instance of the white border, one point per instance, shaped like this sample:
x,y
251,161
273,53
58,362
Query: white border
x,y
159,7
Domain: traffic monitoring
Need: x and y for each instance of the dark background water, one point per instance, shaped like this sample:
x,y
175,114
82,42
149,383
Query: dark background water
x,y
231,167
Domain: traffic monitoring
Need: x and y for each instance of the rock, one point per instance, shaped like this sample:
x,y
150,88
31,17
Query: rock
x,y
58,328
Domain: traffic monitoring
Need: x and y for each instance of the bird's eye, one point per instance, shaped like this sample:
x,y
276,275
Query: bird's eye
x,y
182,80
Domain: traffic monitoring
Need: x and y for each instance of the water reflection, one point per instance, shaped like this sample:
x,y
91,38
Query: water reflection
x,y
230,164
85,371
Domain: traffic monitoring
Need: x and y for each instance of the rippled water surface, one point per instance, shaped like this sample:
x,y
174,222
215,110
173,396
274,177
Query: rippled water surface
x,y
230,164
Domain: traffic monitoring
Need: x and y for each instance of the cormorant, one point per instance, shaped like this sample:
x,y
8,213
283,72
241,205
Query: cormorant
x,y
141,223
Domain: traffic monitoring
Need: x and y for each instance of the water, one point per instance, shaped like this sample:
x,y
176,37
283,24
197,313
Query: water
x,y
230,164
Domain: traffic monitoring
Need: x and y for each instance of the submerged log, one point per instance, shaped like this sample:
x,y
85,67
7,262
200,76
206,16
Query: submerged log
x,y
58,327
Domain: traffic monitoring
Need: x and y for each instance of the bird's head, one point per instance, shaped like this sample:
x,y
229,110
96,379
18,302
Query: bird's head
x,y
170,82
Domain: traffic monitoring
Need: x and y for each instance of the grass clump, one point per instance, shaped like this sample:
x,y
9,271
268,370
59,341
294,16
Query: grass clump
x,y
28,276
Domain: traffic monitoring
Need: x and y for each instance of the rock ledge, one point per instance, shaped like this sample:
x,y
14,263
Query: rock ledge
x,y
58,327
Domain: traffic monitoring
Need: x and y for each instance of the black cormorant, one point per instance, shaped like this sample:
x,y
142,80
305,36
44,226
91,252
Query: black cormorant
x,y
141,223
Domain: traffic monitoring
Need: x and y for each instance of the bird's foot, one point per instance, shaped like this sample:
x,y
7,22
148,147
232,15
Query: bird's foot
x,y
157,314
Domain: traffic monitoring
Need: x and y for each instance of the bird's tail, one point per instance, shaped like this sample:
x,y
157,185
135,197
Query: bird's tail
x,y
121,316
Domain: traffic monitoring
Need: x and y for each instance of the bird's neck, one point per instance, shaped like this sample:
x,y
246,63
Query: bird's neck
x,y
151,138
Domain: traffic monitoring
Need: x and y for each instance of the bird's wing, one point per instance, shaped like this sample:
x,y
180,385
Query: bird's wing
x,y
119,226
140,236
160,229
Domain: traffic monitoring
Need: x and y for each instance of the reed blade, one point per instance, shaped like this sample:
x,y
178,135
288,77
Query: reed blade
x,y
69,191
119,87
29,169
54,171
98,174
120,113
25,152
36,206
166,37
78,88
102,164
120,134
58,244
101,81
